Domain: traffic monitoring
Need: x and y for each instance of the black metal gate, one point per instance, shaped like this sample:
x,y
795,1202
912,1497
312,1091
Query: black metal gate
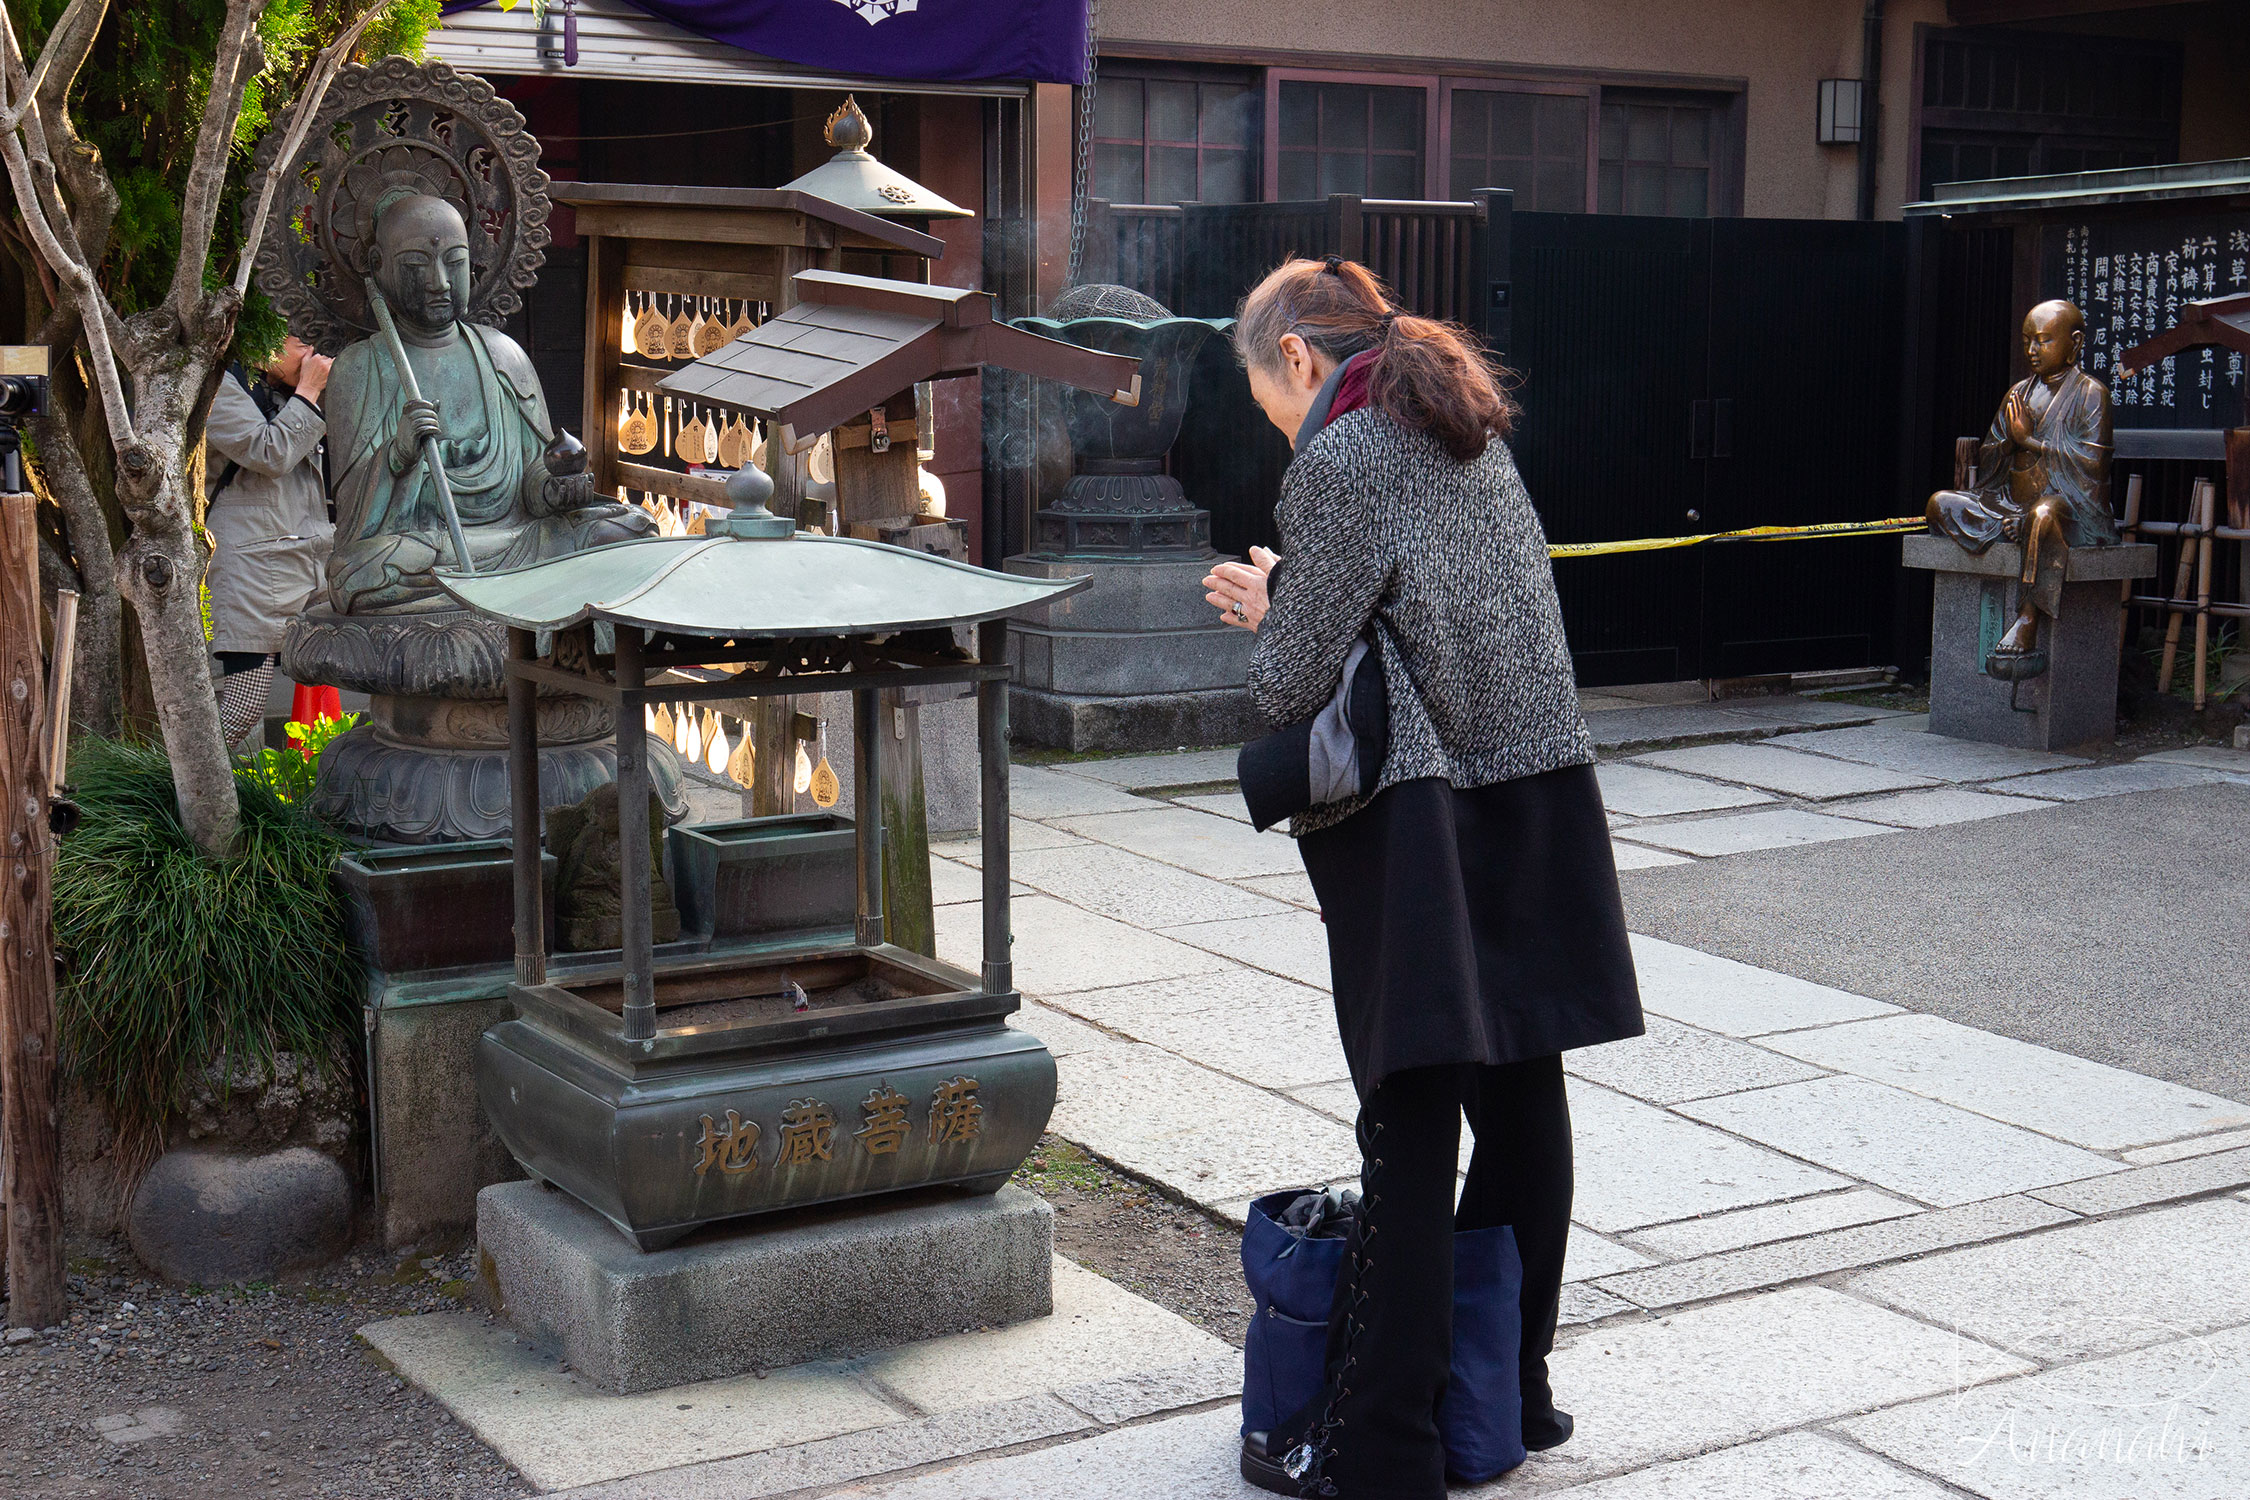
x,y
1678,376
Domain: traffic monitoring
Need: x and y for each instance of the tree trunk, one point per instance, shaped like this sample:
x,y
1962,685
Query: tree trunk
x,y
158,571
96,687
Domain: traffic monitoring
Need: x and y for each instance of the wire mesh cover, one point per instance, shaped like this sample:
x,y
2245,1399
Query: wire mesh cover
x,y
1103,299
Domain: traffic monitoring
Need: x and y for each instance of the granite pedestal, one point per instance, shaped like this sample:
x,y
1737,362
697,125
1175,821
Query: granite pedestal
x,y
818,1284
1138,661
2075,702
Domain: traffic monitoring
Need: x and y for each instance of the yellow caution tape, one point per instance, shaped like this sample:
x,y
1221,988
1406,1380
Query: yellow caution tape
x,y
1753,533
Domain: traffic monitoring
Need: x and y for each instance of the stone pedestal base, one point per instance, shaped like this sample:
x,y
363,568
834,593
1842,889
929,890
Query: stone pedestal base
x,y
814,1285
2075,702
1138,661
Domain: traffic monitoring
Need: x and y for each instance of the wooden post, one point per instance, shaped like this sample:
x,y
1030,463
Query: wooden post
x,y
2203,592
30,1128
2183,577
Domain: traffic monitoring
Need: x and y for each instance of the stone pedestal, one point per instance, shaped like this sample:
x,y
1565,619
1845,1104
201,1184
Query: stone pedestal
x,y
1138,661
825,1283
2075,702
431,765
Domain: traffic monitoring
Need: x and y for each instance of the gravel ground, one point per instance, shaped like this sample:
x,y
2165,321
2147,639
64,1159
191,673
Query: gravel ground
x,y
158,1393
1116,1227
154,1393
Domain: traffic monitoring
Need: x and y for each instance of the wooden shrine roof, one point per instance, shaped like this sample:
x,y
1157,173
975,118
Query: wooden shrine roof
x,y
2224,321
622,208
853,342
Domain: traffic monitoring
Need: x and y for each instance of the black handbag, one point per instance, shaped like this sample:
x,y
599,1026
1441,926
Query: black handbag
x,y
1335,755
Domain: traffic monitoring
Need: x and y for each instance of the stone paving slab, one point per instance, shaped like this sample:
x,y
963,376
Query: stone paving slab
x,y
1933,755
2085,1103
1744,1227
1147,1393
1642,791
1785,1261
1765,1363
1673,1063
1296,889
1738,999
1623,730
1059,948
1587,1256
1036,792
1815,778
1181,1458
1259,1027
2137,1187
1583,1304
2108,781
2216,757
1023,833
1131,888
952,883
2096,1287
1739,833
2165,1423
1795,1466
1195,841
1138,773
1211,1138
2205,1145
1638,1164
1223,804
1639,857
1065,1036
1934,808
1901,1141
559,1430
1293,943
856,1456
1099,1332
1262,1029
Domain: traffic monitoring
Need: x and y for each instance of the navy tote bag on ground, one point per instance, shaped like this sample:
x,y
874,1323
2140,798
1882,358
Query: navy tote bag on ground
x,y
1292,1280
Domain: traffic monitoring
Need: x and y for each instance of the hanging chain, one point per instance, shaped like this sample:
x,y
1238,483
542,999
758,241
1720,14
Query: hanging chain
x,y
1082,168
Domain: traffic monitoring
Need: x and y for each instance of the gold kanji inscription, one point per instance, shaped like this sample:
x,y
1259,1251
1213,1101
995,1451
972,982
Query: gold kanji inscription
x,y
808,1127
886,1127
955,1114
731,1148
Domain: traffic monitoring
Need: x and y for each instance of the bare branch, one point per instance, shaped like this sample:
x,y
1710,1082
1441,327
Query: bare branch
x,y
68,44
324,70
214,144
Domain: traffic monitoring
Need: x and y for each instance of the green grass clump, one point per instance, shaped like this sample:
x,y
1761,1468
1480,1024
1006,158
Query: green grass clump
x,y
175,961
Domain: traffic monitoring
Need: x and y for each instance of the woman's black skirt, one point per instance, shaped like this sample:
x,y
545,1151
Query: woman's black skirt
x,y
1478,926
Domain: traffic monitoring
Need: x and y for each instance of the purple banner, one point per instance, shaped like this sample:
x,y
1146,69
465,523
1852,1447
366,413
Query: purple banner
x,y
960,41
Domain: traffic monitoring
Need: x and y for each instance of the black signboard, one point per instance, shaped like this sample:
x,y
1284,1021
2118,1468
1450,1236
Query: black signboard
x,y
2131,278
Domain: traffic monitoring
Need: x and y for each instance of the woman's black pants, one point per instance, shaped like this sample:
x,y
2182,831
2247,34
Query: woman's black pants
x,y
1390,1331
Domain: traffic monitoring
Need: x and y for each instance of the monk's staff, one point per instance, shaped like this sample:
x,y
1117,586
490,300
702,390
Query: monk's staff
x,y
430,459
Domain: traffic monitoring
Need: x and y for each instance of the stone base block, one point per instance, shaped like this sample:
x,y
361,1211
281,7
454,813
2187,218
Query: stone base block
x,y
1144,721
1142,593
816,1285
2074,703
1118,663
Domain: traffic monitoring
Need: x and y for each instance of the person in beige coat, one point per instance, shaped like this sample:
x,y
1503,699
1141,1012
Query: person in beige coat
x,y
268,521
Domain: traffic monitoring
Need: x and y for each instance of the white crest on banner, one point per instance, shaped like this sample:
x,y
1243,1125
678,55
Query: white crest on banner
x,y
873,12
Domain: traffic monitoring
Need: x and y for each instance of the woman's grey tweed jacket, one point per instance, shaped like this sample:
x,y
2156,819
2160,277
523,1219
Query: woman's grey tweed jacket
x,y
1449,561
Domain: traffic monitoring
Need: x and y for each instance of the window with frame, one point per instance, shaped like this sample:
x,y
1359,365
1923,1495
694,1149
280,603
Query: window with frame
x,y
1174,140
1531,143
2026,104
1359,138
1656,156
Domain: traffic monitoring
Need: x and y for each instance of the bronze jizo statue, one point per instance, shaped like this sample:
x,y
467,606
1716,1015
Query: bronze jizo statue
x,y
519,485
2042,480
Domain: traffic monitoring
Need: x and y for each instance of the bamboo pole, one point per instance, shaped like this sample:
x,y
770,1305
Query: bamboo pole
x,y
2182,576
2203,591
62,660
30,1132
2130,532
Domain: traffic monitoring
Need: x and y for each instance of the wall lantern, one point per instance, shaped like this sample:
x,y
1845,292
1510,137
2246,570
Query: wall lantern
x,y
1839,111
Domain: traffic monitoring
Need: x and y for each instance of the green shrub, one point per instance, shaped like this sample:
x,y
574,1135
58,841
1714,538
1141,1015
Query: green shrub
x,y
174,961
289,772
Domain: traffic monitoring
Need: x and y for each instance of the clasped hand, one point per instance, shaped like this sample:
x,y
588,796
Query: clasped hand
x,y
1238,590
418,422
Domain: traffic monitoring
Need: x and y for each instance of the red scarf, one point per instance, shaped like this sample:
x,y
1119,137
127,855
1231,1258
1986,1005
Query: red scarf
x,y
1352,390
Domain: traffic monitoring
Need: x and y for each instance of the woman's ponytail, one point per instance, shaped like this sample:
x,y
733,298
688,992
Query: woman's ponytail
x,y
1428,376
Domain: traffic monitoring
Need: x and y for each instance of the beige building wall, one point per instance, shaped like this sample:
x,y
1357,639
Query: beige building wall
x,y
1778,50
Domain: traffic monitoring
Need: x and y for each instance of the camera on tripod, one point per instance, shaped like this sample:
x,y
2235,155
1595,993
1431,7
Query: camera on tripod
x,y
23,393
